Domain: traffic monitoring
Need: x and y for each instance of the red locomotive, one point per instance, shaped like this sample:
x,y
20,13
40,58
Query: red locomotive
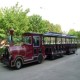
x,y
36,47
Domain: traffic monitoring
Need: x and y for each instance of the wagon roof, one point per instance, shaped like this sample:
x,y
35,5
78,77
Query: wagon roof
x,y
50,34
54,34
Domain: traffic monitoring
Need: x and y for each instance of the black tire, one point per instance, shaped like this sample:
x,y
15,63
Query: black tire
x,y
18,64
52,57
40,59
61,54
73,52
68,52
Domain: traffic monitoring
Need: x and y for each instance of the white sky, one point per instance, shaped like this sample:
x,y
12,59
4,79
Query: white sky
x,y
63,12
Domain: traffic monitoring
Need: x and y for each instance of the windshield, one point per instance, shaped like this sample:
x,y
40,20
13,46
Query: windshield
x,y
27,39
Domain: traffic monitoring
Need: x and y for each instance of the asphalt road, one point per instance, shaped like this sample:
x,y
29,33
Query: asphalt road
x,y
66,68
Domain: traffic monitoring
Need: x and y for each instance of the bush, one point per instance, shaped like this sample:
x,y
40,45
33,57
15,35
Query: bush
x,y
2,50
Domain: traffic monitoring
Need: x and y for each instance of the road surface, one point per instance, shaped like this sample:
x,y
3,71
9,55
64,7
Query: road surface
x,y
65,68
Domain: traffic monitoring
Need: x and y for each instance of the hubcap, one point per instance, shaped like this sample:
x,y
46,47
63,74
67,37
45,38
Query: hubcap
x,y
18,64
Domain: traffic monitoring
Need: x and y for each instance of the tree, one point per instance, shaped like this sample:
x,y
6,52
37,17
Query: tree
x,y
72,32
2,34
78,34
50,26
75,33
15,18
36,24
57,28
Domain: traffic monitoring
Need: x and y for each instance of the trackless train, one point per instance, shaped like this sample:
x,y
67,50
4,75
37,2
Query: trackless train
x,y
37,47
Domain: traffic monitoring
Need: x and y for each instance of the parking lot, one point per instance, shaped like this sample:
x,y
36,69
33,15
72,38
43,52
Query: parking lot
x,y
65,68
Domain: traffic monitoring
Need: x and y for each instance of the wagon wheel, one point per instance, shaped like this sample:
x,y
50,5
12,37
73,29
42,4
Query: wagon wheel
x,y
52,57
61,54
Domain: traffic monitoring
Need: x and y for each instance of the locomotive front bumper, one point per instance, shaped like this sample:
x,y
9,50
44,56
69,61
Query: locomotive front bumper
x,y
8,62
5,62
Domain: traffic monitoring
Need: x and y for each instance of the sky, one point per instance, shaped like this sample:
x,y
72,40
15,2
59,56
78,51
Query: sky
x,y
63,12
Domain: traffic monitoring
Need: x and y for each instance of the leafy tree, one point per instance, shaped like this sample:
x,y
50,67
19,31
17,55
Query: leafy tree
x,y
78,34
44,26
57,28
50,26
53,28
1,15
36,24
75,33
72,32
2,34
15,18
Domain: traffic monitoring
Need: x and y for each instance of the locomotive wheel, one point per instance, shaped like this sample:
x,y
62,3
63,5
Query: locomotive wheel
x,y
18,64
40,58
